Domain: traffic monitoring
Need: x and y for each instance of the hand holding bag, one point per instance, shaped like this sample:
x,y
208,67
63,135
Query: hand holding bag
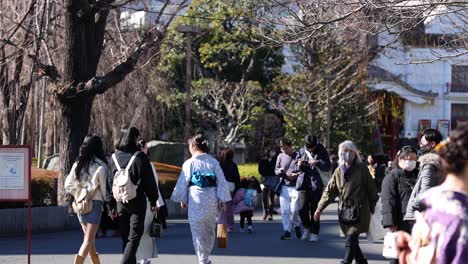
x,y
155,227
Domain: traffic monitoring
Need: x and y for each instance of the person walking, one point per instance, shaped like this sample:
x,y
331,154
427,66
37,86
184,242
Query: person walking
x,y
231,173
439,235
396,191
430,171
312,156
86,182
202,188
147,248
289,195
266,168
134,167
355,187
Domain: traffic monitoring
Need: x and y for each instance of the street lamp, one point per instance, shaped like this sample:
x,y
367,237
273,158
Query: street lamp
x,y
329,77
188,32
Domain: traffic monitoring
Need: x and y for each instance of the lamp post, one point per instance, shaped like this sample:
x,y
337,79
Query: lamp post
x,y
188,32
329,78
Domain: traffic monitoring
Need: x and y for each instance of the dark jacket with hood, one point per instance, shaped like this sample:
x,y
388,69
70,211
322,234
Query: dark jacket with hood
x,y
396,191
309,176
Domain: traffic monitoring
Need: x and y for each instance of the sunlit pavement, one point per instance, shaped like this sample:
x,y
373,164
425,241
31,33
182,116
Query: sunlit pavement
x,y
263,246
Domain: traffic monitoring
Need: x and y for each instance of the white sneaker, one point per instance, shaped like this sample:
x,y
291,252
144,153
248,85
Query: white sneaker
x,y
241,230
249,229
305,235
313,238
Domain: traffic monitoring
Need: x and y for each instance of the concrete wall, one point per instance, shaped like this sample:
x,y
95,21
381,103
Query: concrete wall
x,y
44,219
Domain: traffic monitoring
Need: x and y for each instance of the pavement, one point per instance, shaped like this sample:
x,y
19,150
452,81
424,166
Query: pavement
x,y
175,246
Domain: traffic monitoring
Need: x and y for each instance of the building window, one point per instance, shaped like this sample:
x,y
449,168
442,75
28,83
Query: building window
x,y
459,79
459,114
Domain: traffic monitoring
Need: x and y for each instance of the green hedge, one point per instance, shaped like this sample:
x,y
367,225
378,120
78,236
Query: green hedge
x,y
249,170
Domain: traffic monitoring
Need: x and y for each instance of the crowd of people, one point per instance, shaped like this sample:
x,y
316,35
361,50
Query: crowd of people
x,y
423,193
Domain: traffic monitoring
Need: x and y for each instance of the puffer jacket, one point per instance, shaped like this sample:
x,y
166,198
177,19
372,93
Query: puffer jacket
x,y
396,191
430,175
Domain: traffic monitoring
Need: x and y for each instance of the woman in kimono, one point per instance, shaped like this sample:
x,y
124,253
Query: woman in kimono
x,y
202,188
147,248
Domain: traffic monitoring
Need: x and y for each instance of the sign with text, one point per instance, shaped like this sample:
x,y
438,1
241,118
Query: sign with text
x,y
15,172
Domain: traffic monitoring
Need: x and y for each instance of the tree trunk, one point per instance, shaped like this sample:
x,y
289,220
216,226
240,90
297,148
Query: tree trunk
x,y
76,116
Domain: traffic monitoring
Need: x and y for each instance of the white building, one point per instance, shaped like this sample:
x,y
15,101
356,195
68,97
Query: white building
x,y
143,15
432,80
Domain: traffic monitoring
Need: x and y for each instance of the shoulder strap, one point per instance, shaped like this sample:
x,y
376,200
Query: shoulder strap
x,y
131,160
114,158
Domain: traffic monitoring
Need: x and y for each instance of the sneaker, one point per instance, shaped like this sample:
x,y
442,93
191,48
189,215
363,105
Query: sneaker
x,y
229,230
270,218
286,235
241,230
306,234
249,229
298,232
313,238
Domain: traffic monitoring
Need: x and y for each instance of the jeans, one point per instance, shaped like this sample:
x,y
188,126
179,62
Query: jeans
x,y
268,201
311,200
352,250
289,202
131,223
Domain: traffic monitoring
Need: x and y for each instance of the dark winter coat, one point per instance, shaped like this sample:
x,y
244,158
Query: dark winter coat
x,y
309,176
266,167
231,172
396,191
359,190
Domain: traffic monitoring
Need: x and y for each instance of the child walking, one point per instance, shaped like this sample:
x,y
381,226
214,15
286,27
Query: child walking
x,y
244,202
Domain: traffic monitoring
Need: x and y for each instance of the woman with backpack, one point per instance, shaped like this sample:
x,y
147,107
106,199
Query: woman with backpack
x,y
132,185
202,188
86,182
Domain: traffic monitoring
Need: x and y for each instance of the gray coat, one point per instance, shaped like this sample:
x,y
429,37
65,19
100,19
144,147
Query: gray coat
x,y
430,175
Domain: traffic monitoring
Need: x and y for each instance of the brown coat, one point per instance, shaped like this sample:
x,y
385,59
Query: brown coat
x,y
360,189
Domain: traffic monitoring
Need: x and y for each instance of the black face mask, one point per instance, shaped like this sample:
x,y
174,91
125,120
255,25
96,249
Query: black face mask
x,y
423,149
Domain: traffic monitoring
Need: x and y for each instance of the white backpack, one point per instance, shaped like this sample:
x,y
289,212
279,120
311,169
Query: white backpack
x,y
123,188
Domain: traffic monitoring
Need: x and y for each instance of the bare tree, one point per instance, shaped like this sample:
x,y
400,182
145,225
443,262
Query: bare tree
x,y
85,36
226,106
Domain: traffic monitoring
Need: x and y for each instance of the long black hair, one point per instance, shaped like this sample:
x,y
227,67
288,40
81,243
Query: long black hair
x,y
91,148
128,140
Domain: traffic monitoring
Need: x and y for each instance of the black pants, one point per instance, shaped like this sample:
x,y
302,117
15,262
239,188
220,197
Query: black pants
x,y
131,222
311,200
352,250
268,201
245,215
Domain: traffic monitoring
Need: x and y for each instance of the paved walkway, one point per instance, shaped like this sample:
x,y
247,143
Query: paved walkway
x,y
263,246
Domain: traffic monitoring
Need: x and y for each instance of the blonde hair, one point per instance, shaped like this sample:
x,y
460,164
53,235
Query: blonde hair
x,y
351,146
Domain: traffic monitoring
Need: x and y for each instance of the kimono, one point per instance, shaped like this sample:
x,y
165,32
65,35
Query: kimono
x,y
202,201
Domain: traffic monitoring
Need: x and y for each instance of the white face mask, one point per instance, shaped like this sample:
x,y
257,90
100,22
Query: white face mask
x,y
407,165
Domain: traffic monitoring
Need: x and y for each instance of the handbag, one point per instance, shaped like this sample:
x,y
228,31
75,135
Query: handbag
x,y
222,232
271,181
349,215
155,227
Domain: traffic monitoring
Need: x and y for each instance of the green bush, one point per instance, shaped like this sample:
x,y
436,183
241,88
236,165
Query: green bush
x,y
249,170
